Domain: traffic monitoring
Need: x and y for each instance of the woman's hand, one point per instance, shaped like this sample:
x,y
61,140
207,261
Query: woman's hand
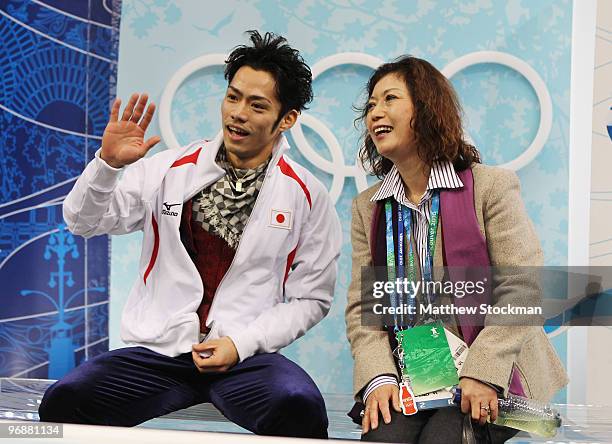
x,y
478,398
378,401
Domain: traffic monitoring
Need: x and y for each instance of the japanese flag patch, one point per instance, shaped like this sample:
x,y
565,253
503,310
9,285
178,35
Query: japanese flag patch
x,y
281,219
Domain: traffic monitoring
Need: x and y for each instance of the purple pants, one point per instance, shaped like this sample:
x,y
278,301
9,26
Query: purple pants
x,y
266,394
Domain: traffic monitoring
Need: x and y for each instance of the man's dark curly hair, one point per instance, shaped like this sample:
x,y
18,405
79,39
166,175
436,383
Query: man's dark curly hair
x,y
272,54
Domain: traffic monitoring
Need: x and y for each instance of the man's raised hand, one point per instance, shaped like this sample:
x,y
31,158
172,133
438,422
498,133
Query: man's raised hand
x,y
123,139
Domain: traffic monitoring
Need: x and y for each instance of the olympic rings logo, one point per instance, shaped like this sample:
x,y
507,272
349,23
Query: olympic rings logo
x,y
337,166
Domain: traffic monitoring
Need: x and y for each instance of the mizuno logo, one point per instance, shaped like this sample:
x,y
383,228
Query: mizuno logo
x,y
168,207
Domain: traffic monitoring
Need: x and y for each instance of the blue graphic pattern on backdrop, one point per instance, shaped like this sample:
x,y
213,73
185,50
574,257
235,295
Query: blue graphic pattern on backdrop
x,y
58,70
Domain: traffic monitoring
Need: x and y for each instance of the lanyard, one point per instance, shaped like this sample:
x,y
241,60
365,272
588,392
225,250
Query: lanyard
x,y
404,217
391,277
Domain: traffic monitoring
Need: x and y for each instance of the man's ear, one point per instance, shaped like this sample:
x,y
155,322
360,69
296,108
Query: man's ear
x,y
288,120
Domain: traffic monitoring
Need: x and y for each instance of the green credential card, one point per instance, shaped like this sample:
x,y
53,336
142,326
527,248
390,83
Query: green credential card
x,y
427,358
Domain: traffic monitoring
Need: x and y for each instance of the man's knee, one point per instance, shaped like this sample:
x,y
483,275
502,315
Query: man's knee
x,y
60,403
64,400
296,411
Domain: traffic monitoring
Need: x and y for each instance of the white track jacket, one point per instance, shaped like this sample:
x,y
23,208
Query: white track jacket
x,y
280,283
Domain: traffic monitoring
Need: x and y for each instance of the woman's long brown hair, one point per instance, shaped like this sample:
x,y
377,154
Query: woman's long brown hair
x,y
436,122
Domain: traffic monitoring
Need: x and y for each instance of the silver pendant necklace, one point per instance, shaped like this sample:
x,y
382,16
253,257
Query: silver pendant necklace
x,y
239,180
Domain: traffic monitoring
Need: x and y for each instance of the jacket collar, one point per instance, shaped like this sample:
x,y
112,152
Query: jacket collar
x,y
207,170
280,147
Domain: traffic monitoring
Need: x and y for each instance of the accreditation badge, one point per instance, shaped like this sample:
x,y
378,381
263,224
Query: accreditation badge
x,y
459,349
426,359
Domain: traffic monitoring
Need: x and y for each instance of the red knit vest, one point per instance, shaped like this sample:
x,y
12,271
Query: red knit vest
x,y
211,255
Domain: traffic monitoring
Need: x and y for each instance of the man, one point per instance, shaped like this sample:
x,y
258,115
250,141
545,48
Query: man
x,y
238,260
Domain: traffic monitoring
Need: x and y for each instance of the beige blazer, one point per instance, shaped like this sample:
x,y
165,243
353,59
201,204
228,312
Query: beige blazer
x,y
511,241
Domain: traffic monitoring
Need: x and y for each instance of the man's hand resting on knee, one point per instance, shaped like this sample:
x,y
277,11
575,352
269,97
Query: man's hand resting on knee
x,y
223,355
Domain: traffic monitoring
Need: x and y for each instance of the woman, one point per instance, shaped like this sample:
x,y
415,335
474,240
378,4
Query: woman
x,y
414,141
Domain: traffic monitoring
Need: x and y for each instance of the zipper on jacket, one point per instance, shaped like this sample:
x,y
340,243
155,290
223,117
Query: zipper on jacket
x,y
204,336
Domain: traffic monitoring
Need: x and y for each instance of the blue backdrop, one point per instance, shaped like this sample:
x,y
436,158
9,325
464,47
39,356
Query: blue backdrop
x,y
58,62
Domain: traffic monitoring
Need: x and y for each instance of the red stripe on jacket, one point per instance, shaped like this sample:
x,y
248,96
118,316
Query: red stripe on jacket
x,y
155,249
288,171
189,158
290,259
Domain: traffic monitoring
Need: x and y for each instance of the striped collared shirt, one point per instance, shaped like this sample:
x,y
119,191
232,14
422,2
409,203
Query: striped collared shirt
x,y
442,175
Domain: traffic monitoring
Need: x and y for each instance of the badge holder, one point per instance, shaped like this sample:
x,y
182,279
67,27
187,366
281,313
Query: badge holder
x,y
427,358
